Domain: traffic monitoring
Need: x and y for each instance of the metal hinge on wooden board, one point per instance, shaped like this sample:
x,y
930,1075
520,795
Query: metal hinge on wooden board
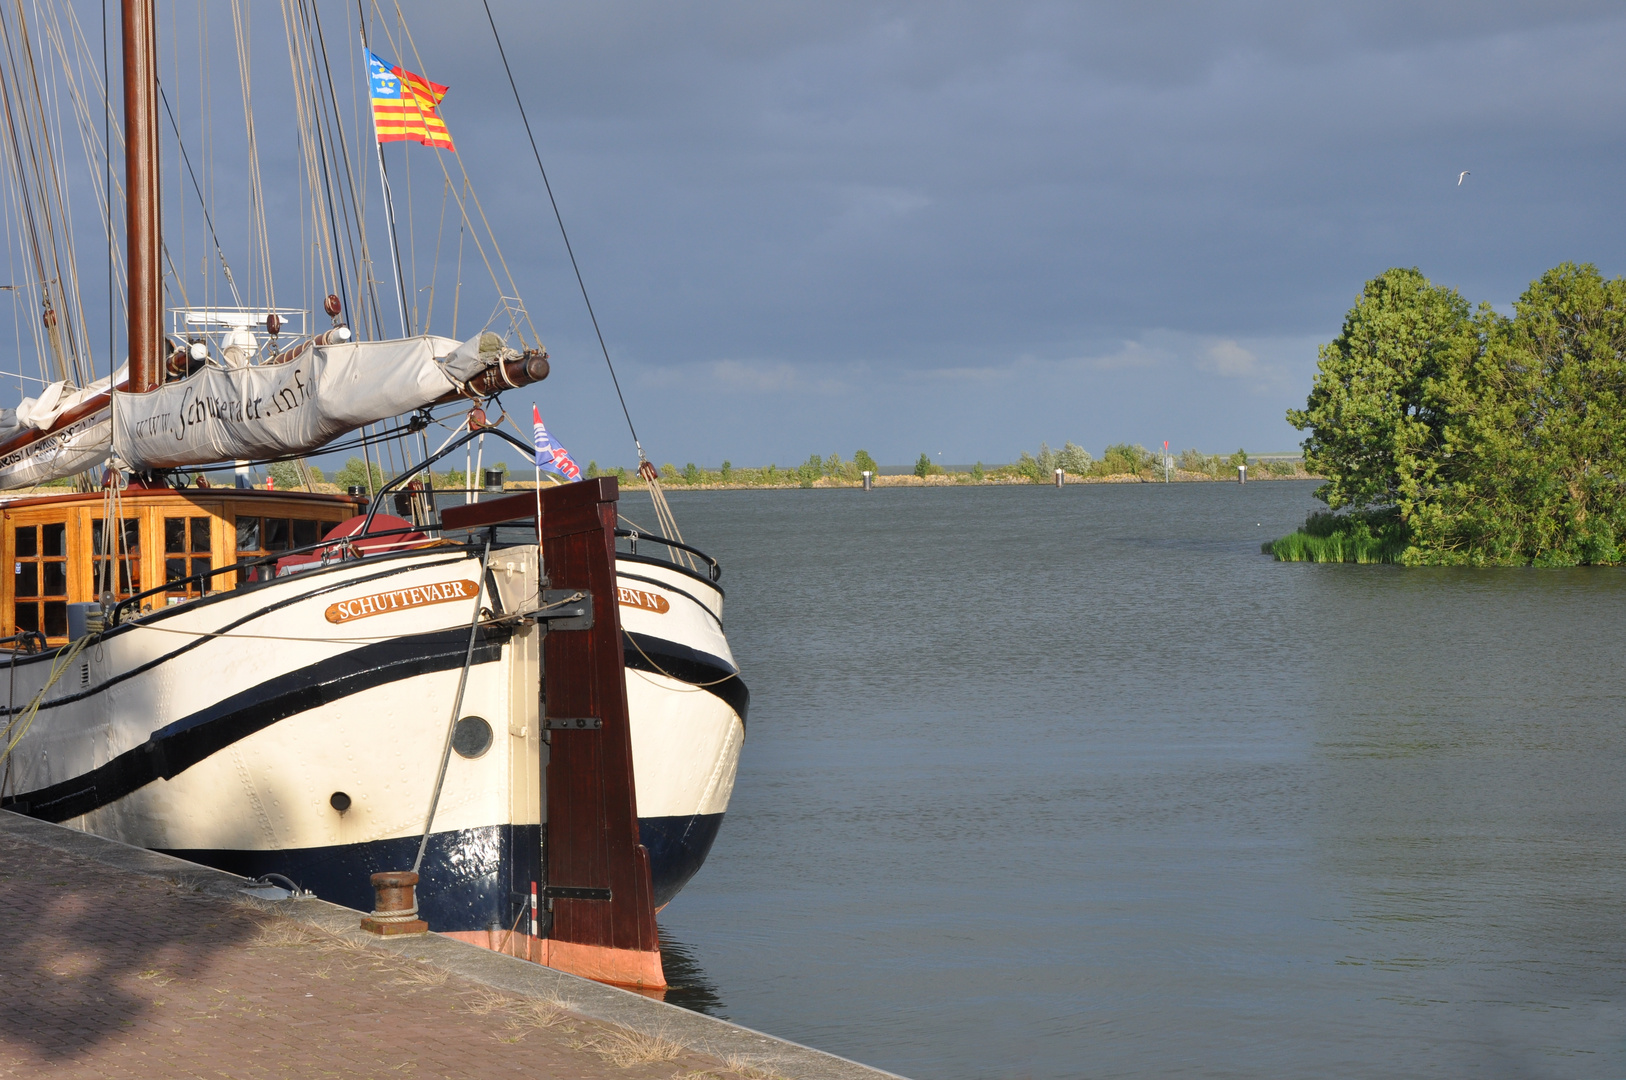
x,y
573,892
564,609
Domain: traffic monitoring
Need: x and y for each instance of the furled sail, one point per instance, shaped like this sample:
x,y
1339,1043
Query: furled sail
x,y
61,432
308,397
298,405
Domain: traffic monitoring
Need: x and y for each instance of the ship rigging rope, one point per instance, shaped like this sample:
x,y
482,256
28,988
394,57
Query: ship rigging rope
x,y
457,707
475,196
30,187
562,233
256,189
51,21
207,218
59,667
663,511
688,686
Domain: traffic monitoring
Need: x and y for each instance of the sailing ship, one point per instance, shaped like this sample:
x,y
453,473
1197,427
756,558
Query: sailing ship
x,y
305,687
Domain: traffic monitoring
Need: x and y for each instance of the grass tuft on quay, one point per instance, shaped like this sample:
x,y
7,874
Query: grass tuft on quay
x,y
1376,536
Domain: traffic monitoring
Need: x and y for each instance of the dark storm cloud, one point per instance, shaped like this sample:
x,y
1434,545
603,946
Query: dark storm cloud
x,y
965,228
983,225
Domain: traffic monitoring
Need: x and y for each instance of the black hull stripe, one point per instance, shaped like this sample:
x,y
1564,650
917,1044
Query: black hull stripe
x,y
80,695
177,747
661,657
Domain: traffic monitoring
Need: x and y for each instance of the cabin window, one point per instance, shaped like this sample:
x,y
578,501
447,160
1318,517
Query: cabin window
x,y
127,557
260,536
187,552
40,573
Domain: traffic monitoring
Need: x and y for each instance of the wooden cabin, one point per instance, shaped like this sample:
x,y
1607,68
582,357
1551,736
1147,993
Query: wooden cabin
x,y
54,544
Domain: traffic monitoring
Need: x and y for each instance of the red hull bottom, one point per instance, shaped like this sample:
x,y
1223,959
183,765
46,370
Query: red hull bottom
x,y
632,968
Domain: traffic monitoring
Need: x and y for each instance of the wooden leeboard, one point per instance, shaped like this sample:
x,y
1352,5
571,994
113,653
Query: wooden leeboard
x,y
592,814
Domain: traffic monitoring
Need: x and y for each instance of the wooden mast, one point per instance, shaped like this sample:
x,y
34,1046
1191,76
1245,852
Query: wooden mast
x,y
141,191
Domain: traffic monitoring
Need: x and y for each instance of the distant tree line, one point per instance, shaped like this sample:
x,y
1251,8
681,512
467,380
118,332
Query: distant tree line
x,y
1126,459
1452,434
1118,460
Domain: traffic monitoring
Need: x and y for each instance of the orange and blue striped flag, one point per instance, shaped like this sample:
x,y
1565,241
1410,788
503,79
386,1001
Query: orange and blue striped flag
x,y
404,106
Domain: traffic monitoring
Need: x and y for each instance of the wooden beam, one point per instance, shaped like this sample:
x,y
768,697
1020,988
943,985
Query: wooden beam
x,y
490,512
606,931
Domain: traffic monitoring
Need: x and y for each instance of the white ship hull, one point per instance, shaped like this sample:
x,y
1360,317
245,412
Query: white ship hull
x,y
231,729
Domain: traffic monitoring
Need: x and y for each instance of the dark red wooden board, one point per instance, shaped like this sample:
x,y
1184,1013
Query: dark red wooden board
x,y
592,812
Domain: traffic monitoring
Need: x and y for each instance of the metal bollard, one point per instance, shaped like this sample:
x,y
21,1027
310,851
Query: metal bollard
x,y
396,910
1061,478
869,480
1242,474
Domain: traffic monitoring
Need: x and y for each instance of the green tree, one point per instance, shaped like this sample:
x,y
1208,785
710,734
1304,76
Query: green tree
x,y
285,474
1375,415
977,472
1074,459
727,470
810,470
1198,462
691,473
926,467
865,463
354,474
1121,458
1474,438
1536,434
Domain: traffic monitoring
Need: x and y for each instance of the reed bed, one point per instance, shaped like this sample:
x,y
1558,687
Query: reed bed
x,y
1367,537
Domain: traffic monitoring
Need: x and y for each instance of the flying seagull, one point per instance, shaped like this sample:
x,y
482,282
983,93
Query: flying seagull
x,y
1460,176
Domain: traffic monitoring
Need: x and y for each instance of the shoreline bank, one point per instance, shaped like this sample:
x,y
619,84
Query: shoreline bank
x,y
792,483
953,480
134,960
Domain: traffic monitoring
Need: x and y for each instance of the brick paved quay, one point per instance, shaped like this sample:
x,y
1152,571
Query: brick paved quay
x,y
123,963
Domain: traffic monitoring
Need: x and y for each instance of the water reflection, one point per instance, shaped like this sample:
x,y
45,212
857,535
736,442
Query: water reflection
x,y
687,984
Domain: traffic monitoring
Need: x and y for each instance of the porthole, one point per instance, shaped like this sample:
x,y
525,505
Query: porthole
x,y
471,737
339,801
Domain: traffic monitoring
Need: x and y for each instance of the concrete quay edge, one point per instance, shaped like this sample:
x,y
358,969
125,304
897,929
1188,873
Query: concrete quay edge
x,y
597,1001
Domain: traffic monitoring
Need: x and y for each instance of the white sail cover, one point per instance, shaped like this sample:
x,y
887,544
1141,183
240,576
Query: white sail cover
x,y
229,414
50,455
81,445
245,413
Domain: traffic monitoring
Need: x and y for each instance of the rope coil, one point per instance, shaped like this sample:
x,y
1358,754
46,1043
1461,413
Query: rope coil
x,y
408,915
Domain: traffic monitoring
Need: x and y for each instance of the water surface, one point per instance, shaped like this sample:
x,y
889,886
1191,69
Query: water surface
x,y
1047,783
